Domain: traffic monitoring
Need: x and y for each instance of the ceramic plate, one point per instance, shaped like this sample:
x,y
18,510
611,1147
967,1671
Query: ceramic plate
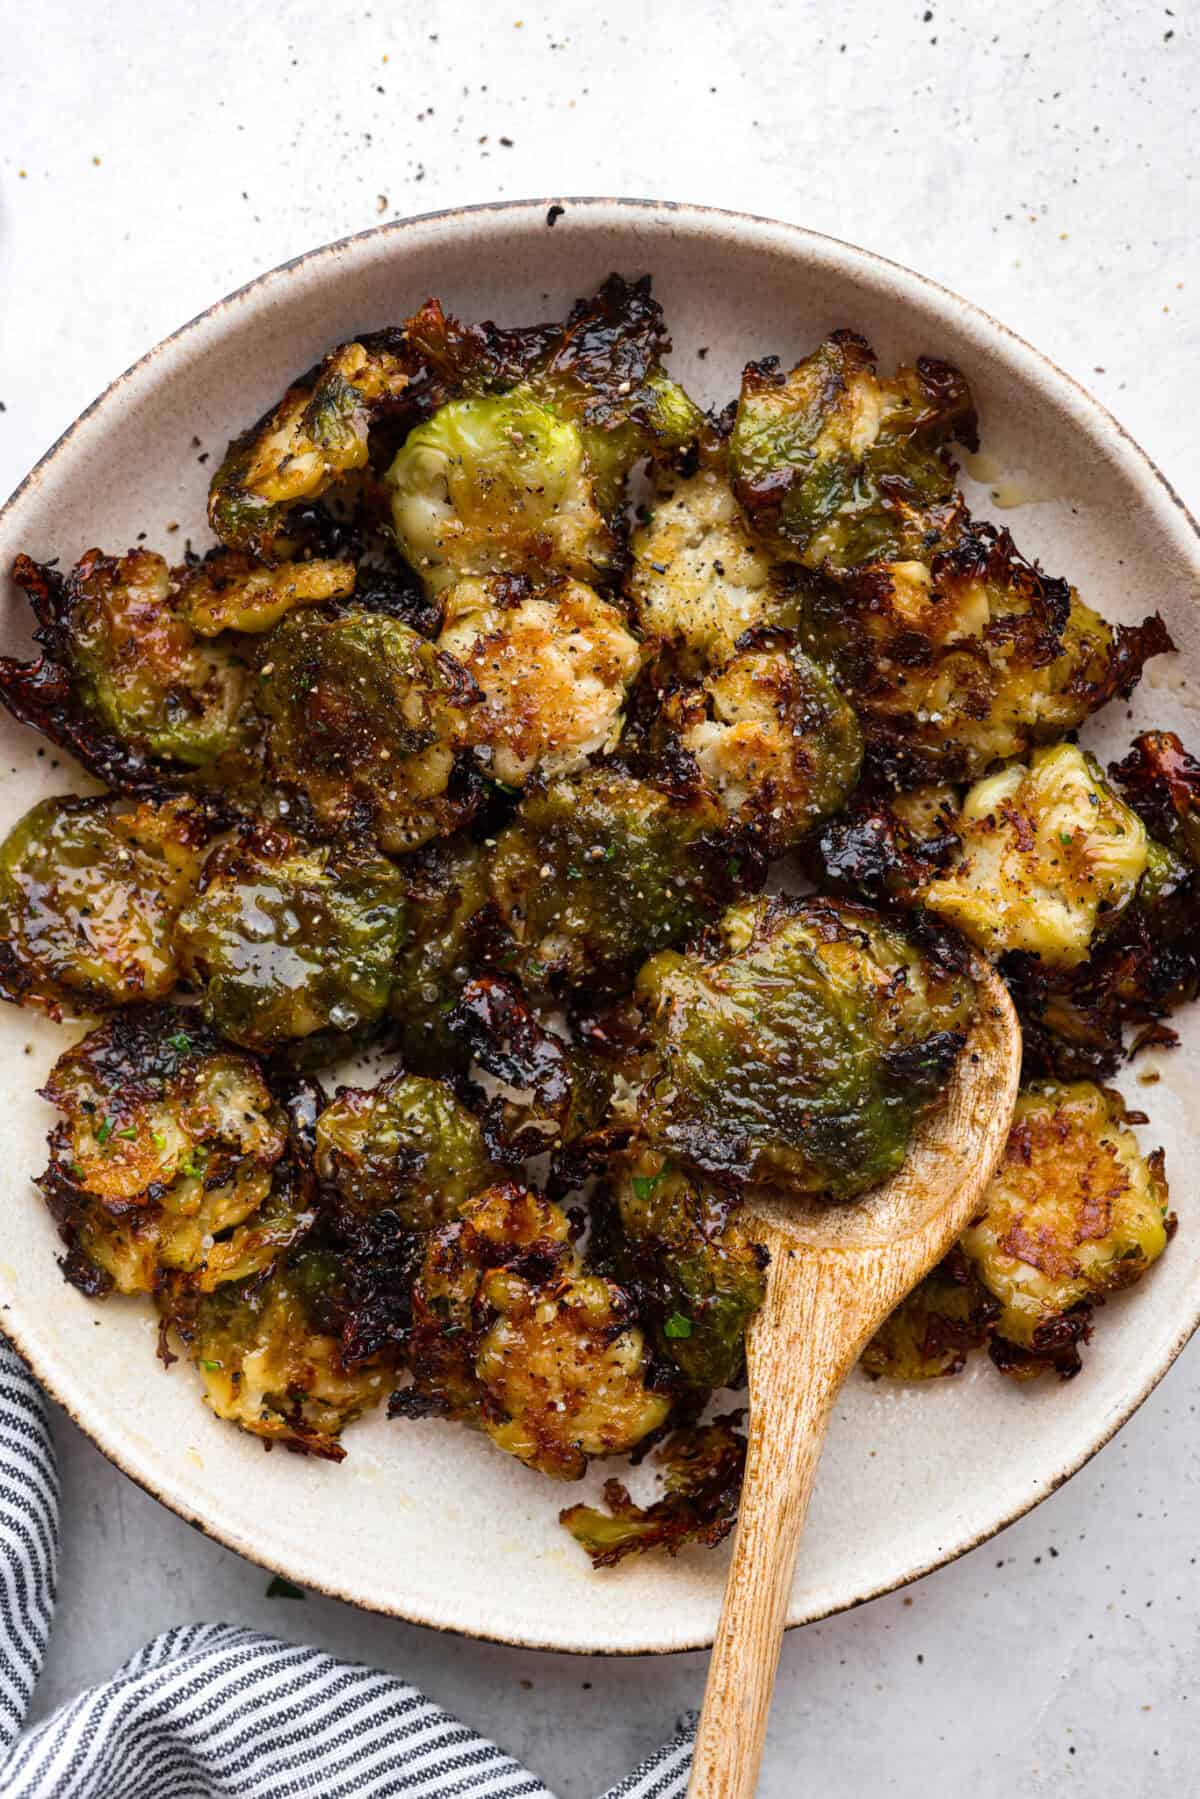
x,y
424,1520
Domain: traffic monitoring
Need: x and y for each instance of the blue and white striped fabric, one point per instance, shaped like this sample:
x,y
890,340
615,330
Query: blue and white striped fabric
x,y
209,1710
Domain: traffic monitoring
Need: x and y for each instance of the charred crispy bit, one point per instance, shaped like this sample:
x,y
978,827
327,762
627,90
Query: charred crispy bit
x,y
802,1053
316,436
394,1162
884,846
269,1352
363,720
773,740
521,471
406,1147
695,1272
558,1092
1075,1212
699,580
89,893
600,869
969,655
169,1165
932,1332
229,591
605,371
835,466
511,1334
1161,781
552,663
126,683
285,940
703,1468
1049,859
446,889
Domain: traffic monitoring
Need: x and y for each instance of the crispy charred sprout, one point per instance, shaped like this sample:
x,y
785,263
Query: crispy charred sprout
x,y
695,1272
597,871
969,655
773,740
313,439
803,1051
699,579
558,1093
406,1147
446,889
552,664
835,466
523,468
269,1353
932,1332
89,893
363,719
169,1166
125,681
285,940
1075,1212
512,1335
605,371
1049,860
703,1469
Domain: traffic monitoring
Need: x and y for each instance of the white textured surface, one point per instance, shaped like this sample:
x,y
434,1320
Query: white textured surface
x,y
1035,161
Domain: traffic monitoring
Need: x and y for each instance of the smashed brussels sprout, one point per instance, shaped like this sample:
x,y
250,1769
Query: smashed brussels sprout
x,y
1050,858
969,656
270,1357
126,683
803,1055
600,870
169,1162
699,579
316,436
1074,1212
363,719
285,940
511,1334
553,665
835,466
406,1147
89,893
493,486
697,1276
602,370
773,740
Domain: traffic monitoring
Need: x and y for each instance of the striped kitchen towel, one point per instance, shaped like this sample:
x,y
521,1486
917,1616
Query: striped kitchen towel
x,y
208,1710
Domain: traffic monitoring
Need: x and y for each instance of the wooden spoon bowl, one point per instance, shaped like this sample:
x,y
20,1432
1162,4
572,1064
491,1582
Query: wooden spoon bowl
x,y
836,1273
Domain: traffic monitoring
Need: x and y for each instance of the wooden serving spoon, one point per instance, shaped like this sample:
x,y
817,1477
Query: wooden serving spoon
x,y
836,1272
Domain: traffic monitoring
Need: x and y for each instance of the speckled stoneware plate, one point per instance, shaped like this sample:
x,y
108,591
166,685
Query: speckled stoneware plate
x,y
425,1520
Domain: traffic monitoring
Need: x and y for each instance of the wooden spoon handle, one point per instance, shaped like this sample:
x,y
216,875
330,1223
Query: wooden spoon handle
x,y
792,1387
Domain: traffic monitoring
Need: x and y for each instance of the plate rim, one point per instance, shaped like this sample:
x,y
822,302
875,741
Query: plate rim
x,y
525,211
